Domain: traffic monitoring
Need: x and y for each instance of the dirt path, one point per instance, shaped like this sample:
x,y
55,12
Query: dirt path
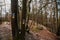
x,y
44,34
5,32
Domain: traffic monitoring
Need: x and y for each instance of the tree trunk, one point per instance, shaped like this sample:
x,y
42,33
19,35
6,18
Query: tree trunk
x,y
23,21
14,24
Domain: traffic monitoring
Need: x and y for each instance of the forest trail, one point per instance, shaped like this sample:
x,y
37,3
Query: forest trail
x,y
35,33
5,31
39,34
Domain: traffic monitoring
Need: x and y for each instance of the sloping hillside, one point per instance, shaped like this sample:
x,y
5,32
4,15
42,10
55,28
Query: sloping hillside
x,y
37,32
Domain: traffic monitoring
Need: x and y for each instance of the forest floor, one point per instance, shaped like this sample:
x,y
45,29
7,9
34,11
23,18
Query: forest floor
x,y
34,33
40,33
5,31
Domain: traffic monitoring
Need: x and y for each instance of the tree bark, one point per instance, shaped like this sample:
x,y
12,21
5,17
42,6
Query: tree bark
x,y
14,24
23,21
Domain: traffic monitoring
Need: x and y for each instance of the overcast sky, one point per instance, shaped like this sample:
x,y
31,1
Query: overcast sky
x,y
7,6
8,2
